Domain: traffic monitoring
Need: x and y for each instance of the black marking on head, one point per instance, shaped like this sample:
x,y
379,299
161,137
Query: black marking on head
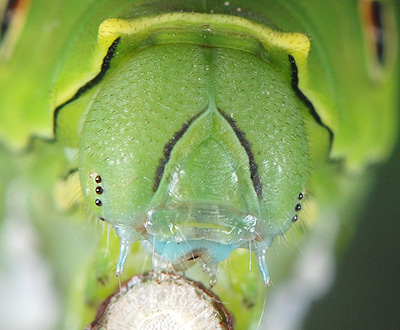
x,y
168,149
193,257
255,178
378,29
104,67
8,14
305,100
297,207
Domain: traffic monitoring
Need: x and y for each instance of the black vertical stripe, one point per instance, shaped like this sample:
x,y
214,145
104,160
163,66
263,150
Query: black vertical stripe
x,y
104,67
255,178
305,100
168,149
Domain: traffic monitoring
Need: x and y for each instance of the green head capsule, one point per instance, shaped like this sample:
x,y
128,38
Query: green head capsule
x,y
196,141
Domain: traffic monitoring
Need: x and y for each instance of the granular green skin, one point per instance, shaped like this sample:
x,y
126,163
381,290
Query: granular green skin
x,y
337,78
195,143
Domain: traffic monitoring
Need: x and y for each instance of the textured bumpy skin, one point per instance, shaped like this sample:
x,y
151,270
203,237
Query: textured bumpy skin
x,y
198,128
199,133
196,142
181,157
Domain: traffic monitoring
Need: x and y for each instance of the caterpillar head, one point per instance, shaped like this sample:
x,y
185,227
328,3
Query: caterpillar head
x,y
196,150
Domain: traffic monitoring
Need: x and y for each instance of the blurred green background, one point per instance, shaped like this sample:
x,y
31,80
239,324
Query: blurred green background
x,y
366,294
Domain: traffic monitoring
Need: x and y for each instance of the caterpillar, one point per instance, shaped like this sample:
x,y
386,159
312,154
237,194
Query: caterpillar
x,y
201,128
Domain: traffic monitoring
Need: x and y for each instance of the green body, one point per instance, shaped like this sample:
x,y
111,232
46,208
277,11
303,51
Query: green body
x,y
197,125
184,156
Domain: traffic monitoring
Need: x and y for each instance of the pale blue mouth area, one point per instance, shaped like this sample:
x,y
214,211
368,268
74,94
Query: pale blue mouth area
x,y
174,252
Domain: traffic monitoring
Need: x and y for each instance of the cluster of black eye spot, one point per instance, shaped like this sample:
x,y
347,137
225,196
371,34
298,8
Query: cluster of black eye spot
x,y
297,208
98,190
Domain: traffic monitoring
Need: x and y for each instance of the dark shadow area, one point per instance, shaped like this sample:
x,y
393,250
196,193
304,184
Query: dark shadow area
x,y
366,294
